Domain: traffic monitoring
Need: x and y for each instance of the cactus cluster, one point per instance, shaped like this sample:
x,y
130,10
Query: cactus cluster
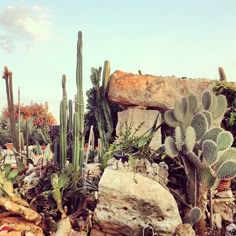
x,y
199,138
202,145
102,108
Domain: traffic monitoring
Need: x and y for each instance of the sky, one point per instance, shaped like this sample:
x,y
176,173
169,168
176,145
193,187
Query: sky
x,y
38,42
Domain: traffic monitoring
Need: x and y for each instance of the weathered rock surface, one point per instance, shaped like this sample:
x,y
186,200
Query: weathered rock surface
x,y
136,117
230,230
224,209
184,230
153,91
157,172
126,205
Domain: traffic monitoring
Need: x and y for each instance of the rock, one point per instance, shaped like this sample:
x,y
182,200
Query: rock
x,y
184,230
157,172
217,220
134,117
153,91
230,230
92,170
126,205
77,233
226,207
225,194
97,232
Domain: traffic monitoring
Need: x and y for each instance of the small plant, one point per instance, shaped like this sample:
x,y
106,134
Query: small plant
x,y
129,144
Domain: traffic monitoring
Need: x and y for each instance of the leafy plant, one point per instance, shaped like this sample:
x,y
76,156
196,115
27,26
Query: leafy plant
x,y
129,143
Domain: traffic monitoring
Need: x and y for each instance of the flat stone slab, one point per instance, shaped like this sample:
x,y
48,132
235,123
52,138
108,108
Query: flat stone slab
x,y
154,91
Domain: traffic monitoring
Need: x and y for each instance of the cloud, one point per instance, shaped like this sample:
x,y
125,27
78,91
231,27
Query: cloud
x,y
23,24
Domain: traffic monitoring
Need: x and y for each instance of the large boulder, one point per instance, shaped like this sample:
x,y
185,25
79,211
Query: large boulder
x,y
127,204
153,91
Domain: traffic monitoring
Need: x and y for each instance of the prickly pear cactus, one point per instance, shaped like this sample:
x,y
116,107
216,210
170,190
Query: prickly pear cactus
x,y
199,138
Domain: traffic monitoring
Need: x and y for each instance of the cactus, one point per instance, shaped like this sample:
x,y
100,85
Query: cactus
x,y
207,177
102,108
178,112
209,117
221,106
227,155
58,183
185,105
224,140
211,134
208,100
193,103
171,148
200,141
222,74
78,127
7,75
179,138
63,125
190,138
200,125
195,215
210,152
170,119
227,170
27,138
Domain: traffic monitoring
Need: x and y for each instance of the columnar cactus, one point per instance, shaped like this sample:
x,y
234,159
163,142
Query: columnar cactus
x,y
63,125
78,126
199,139
7,75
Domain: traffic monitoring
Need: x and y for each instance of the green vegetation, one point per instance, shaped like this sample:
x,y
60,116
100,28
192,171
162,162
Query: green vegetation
x,y
203,147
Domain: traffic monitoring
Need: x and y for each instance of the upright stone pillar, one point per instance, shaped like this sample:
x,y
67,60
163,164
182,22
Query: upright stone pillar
x,y
135,117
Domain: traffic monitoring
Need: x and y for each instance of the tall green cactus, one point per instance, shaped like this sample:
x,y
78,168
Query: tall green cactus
x,y
63,125
199,139
78,126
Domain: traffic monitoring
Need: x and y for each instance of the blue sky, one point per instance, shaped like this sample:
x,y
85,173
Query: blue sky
x,y
182,38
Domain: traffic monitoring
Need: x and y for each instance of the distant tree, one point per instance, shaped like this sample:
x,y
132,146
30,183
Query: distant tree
x,y
39,122
38,112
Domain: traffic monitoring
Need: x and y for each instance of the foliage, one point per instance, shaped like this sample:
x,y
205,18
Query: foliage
x,y
229,120
36,134
39,113
39,121
129,143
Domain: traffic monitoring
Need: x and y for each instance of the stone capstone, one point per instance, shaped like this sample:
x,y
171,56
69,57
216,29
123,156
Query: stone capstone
x,y
154,91
127,205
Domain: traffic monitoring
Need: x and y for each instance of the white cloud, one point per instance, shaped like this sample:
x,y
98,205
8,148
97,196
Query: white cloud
x,y
30,24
